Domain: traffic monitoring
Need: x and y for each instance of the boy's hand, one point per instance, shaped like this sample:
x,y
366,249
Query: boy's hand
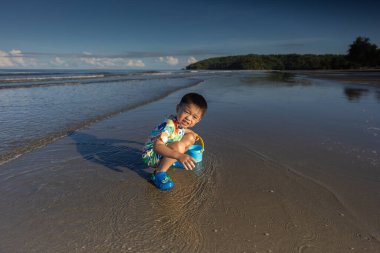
x,y
187,161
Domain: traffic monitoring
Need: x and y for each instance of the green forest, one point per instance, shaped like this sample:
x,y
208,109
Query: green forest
x,y
360,54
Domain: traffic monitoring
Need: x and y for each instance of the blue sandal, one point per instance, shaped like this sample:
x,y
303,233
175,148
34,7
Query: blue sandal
x,y
162,180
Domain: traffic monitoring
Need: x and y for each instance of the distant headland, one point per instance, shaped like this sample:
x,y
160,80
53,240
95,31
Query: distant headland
x,y
361,54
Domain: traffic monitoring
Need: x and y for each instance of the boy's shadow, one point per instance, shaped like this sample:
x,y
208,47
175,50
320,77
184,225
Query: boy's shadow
x,y
116,155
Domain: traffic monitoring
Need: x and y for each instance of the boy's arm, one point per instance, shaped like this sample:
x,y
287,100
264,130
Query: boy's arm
x,y
160,148
187,161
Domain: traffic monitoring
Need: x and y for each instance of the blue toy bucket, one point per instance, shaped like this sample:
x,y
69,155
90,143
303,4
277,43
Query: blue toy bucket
x,y
195,151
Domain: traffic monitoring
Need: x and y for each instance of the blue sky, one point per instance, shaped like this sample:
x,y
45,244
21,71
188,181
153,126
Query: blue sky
x,y
170,34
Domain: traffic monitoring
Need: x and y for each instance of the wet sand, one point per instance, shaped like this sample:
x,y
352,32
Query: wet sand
x,y
258,190
366,77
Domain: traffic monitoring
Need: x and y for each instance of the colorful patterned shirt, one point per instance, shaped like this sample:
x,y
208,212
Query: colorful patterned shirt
x,y
168,131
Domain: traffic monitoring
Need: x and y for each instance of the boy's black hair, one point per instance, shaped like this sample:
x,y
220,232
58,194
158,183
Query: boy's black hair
x,y
196,99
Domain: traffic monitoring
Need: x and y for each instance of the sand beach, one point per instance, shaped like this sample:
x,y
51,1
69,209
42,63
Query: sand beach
x,y
291,165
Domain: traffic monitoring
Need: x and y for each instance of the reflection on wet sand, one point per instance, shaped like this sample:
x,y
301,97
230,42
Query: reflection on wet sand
x,y
354,94
378,95
275,78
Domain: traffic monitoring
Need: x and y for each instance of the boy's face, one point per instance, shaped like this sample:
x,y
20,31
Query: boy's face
x,y
188,115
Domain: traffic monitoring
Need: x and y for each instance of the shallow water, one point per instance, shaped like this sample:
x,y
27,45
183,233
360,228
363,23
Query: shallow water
x,y
39,106
314,128
291,165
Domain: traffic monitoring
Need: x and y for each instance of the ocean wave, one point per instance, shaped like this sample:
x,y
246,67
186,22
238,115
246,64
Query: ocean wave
x,y
11,80
47,78
72,82
28,143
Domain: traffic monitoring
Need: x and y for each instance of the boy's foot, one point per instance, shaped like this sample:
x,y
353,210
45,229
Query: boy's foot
x,y
162,180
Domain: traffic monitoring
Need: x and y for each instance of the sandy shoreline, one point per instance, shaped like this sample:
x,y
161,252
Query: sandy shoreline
x,y
89,192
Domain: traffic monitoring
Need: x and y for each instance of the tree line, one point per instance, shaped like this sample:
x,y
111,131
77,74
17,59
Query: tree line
x,y
361,54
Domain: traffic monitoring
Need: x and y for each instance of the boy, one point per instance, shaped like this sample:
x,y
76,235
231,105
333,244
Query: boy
x,y
172,138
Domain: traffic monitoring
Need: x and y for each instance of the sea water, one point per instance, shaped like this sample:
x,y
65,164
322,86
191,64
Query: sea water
x,y
39,106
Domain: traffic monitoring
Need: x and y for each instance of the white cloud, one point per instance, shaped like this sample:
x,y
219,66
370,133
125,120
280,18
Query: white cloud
x,y
5,61
112,62
136,63
58,61
18,58
191,60
89,60
15,58
98,62
169,60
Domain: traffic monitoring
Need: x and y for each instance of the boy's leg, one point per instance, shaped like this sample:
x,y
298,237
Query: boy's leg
x,y
181,146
